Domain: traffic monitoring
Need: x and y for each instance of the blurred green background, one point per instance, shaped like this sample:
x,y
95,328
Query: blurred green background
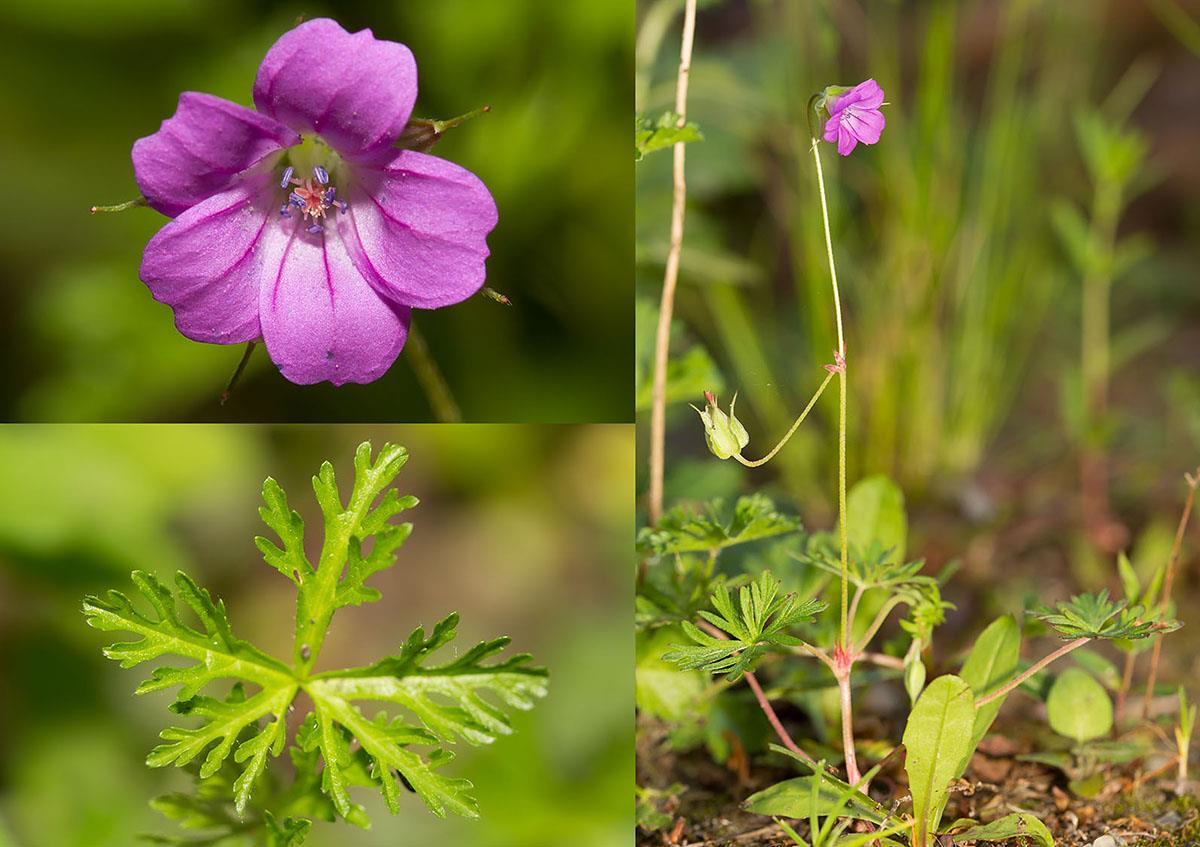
x,y
1035,154
80,80
523,530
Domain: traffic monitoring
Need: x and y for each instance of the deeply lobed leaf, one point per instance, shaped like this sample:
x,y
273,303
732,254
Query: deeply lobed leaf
x,y
757,624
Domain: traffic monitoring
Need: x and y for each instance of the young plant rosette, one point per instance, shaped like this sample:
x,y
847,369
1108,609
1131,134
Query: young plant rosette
x,y
302,224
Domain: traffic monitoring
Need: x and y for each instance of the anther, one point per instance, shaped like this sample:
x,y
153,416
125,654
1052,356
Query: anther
x,y
283,211
314,228
321,174
330,193
342,206
296,200
287,176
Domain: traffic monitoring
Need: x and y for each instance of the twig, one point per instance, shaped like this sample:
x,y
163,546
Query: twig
x,y
1172,563
662,339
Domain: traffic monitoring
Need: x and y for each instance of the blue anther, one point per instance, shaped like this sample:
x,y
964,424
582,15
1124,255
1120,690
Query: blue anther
x,y
287,176
321,174
283,211
330,193
314,228
296,200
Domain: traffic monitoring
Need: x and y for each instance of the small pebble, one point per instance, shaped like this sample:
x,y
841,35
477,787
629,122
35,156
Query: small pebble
x,y
1105,841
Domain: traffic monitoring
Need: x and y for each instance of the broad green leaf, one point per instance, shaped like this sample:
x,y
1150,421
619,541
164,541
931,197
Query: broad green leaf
x,y
875,517
663,690
938,740
1020,827
1098,666
992,662
1078,706
793,798
683,530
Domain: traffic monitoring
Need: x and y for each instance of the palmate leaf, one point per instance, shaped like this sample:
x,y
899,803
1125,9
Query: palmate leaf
x,y
467,698
684,530
460,699
756,625
1096,616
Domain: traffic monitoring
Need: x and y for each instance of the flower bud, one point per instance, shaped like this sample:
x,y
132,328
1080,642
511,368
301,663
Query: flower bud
x,y
725,434
914,678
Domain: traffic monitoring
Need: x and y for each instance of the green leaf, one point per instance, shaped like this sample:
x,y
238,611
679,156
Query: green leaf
x,y
347,530
756,625
992,662
663,690
1129,580
875,517
466,698
650,135
448,701
1098,666
1021,827
1078,706
683,530
1096,616
793,798
938,740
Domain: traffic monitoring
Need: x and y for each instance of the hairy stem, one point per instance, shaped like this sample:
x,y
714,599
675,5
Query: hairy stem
x,y
237,373
429,375
1037,666
773,719
1168,584
852,774
662,339
756,462
880,617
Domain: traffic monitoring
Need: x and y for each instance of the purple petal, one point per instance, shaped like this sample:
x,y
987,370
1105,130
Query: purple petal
x,y
356,91
206,264
832,126
866,126
846,141
418,230
320,319
868,95
201,149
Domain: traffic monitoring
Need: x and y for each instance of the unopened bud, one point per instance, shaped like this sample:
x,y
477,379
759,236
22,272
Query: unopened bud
x,y
724,432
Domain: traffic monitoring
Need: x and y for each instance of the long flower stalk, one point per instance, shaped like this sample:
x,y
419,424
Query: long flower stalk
x,y
1037,666
662,339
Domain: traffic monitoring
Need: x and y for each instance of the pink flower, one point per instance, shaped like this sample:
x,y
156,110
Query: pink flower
x,y
854,116
303,223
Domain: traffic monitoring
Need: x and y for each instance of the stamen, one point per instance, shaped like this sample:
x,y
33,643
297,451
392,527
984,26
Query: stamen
x,y
342,206
283,211
287,176
330,193
314,228
321,174
296,200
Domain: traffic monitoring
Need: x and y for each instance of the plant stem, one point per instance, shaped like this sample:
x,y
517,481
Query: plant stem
x,y
756,462
237,373
1037,666
1123,691
880,617
437,391
763,702
843,678
120,207
1172,563
773,719
662,340
852,774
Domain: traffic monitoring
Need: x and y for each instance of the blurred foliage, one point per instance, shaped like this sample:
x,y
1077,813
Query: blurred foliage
x,y
961,237
554,151
520,529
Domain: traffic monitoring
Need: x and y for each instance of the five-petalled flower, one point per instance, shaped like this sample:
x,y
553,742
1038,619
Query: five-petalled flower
x,y
854,116
301,223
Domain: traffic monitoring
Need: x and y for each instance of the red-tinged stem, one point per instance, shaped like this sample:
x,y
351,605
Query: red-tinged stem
x,y
1123,691
1037,666
1172,563
763,702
